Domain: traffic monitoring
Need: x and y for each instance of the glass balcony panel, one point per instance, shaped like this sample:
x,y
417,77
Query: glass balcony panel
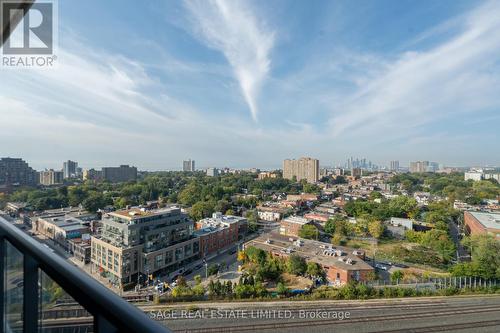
x,y
13,289
58,311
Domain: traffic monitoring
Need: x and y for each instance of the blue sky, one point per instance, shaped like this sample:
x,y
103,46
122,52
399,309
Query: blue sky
x,y
249,83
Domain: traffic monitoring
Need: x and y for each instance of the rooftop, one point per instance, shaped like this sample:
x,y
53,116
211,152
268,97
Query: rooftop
x,y
136,213
218,220
319,252
296,219
488,220
62,221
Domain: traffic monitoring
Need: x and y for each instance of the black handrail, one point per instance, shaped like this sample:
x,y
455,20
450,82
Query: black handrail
x,y
111,313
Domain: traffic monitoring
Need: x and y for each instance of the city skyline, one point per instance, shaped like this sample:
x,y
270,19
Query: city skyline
x,y
387,165
248,84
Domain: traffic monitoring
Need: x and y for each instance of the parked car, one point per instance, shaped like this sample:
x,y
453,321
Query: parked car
x,y
380,266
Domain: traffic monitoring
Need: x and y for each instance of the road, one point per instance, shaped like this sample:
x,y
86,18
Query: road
x,y
455,235
458,314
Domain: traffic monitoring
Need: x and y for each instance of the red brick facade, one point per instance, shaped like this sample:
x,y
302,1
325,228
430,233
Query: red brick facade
x,y
218,239
474,227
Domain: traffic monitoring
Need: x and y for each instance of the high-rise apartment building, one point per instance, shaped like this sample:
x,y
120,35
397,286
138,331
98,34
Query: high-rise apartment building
x,y
356,172
188,165
304,168
92,174
15,171
51,177
394,166
123,173
69,169
139,242
423,166
212,172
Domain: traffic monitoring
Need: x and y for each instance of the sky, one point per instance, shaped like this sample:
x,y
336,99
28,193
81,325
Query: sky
x,y
249,83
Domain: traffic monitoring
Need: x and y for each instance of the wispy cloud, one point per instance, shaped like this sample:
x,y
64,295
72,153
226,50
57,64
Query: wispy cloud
x,y
232,28
458,76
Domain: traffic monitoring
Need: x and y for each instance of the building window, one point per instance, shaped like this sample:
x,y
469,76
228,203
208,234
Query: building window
x,y
158,261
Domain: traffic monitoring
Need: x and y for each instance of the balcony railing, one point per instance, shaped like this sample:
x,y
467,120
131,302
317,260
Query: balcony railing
x,y
37,285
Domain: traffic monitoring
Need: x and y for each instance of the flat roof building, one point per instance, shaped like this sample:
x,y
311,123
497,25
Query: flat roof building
x,y
188,166
478,223
291,225
51,177
138,242
61,228
341,264
304,168
219,231
16,172
123,173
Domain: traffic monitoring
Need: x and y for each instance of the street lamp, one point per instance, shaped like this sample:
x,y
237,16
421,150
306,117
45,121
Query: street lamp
x,y
206,268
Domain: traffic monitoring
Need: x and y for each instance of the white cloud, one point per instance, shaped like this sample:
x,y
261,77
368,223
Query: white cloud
x,y
459,76
232,28
102,109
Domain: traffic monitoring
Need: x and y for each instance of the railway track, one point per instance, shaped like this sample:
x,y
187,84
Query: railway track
x,y
315,323
445,328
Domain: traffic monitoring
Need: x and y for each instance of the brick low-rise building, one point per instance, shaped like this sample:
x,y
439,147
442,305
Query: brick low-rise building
x,y
291,225
340,264
218,232
477,223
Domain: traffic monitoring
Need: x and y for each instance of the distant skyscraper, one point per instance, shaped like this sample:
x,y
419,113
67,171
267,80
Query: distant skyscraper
x,y
394,165
356,172
188,165
51,177
423,166
69,169
304,168
15,171
123,173
212,172
92,174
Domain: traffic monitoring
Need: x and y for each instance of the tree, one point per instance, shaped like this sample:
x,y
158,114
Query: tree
x,y
201,209
485,258
376,195
198,290
401,206
253,217
242,256
212,269
309,231
315,270
397,276
281,288
95,201
296,265
337,239
256,255
222,205
376,229
330,227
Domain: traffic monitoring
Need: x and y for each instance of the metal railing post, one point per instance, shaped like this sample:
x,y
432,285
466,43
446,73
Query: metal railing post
x,y
2,284
30,298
